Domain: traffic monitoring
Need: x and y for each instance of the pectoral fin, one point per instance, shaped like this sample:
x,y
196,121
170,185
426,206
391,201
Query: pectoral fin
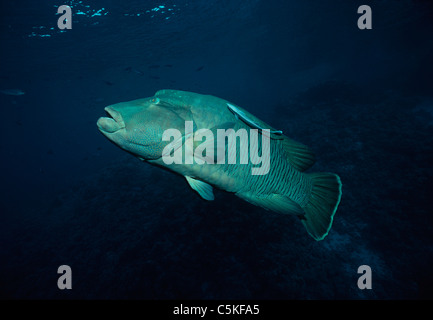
x,y
204,189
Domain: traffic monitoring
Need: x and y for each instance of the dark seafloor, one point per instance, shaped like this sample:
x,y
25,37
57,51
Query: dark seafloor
x,y
361,99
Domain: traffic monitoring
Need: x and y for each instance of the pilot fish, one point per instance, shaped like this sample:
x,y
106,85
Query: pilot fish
x,y
139,127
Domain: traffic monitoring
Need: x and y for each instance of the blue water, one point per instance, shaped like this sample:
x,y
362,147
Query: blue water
x,y
361,99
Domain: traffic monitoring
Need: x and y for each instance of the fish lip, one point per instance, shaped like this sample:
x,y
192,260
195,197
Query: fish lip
x,y
111,124
115,115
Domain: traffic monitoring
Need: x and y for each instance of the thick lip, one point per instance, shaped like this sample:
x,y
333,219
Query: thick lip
x,y
112,123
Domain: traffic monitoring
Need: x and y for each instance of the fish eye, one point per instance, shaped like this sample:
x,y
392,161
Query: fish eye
x,y
155,100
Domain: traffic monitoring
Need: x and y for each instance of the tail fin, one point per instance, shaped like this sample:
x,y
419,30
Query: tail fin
x,y
322,205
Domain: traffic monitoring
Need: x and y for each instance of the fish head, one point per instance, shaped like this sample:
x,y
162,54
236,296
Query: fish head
x,y
137,126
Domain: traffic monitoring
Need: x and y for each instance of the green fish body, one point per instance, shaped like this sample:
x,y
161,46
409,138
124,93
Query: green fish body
x,y
282,185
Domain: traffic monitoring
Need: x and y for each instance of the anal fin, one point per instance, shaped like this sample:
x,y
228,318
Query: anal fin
x,y
274,202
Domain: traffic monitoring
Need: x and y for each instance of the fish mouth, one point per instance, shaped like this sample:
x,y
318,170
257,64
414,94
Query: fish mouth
x,y
111,124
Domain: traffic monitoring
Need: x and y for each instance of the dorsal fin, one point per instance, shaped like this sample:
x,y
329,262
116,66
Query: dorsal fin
x,y
299,156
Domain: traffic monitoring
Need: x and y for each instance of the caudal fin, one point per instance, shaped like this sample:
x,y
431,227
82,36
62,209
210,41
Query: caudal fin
x,y
322,205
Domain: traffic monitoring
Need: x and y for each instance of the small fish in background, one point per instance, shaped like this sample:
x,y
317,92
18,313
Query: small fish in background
x,y
108,83
12,92
199,68
130,69
141,73
154,66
